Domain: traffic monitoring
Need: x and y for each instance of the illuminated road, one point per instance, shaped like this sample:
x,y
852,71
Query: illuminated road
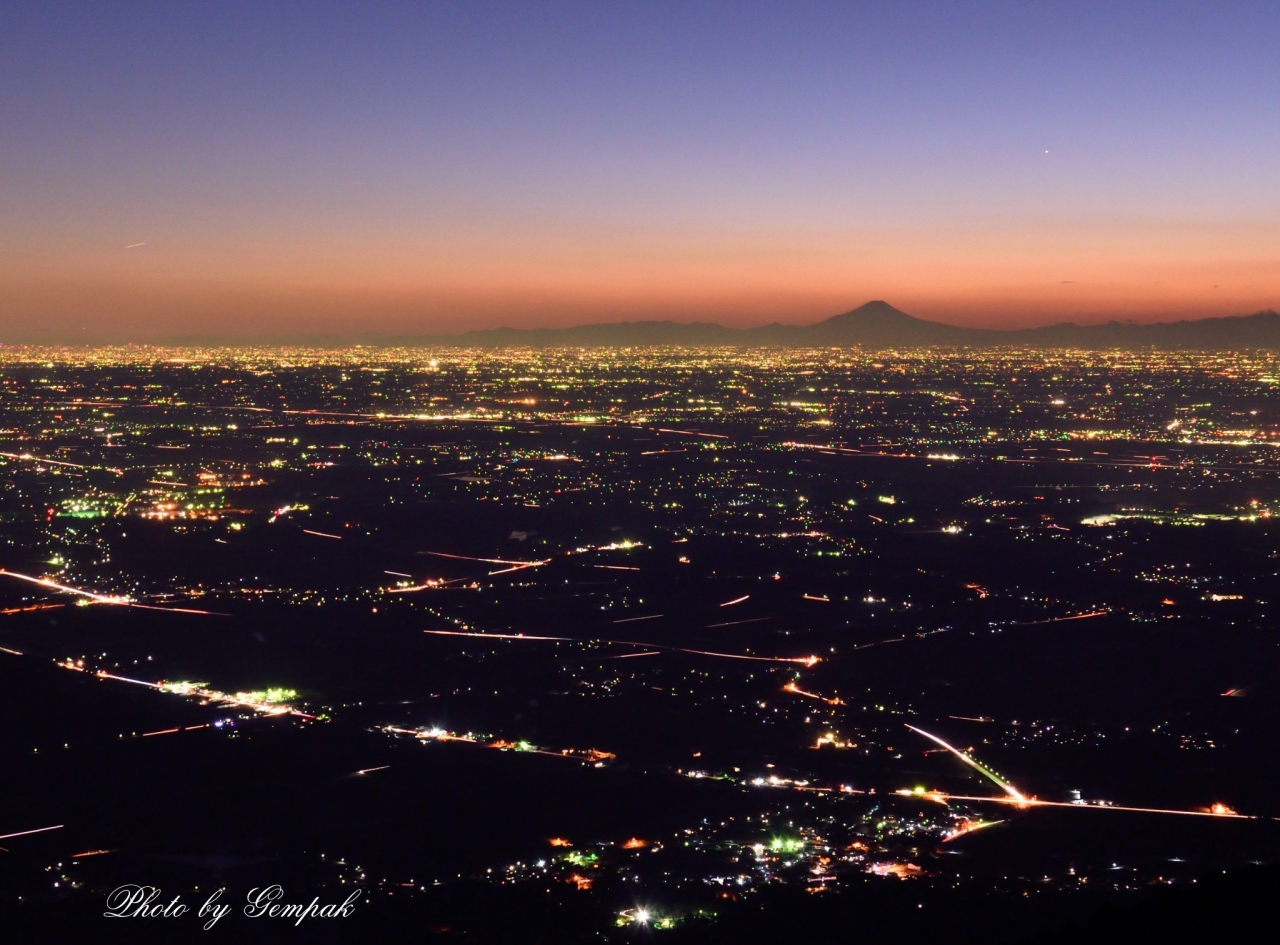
x,y
26,833
802,660
1005,786
1219,811
104,598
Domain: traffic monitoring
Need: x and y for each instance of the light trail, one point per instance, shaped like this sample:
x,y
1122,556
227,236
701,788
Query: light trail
x,y
1020,800
21,610
713,436
1035,461
527,564
522,565
970,828
27,833
499,636
802,660
265,707
386,416
178,610
1014,794
308,531
103,674
1092,613
635,619
1223,814
584,755
736,600
518,567
54,585
735,623
793,688
425,586
27,457
438,734
104,598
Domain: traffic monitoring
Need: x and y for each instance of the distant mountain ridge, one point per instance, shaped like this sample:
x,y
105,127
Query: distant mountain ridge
x,y
879,325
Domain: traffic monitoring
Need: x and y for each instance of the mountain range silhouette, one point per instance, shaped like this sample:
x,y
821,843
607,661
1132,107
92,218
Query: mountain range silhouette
x,y
878,324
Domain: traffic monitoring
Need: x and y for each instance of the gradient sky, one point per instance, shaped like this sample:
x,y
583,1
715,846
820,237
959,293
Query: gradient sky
x,y
413,167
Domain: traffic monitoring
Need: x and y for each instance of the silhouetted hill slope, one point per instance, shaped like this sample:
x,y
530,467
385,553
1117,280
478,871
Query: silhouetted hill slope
x,y
1229,907
880,325
1260,330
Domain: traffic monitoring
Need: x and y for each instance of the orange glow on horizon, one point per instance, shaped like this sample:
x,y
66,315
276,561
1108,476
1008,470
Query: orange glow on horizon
x,y
427,283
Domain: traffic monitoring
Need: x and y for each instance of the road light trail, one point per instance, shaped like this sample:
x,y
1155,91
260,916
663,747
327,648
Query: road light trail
x,y
27,457
103,674
526,564
499,636
426,585
1014,794
523,565
713,436
22,610
802,660
735,623
179,610
105,598
27,833
1221,814
969,828
1018,799
264,704
792,687
518,567
54,585
1092,613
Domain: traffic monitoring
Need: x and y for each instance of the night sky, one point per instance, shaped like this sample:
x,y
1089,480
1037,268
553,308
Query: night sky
x,y
282,170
